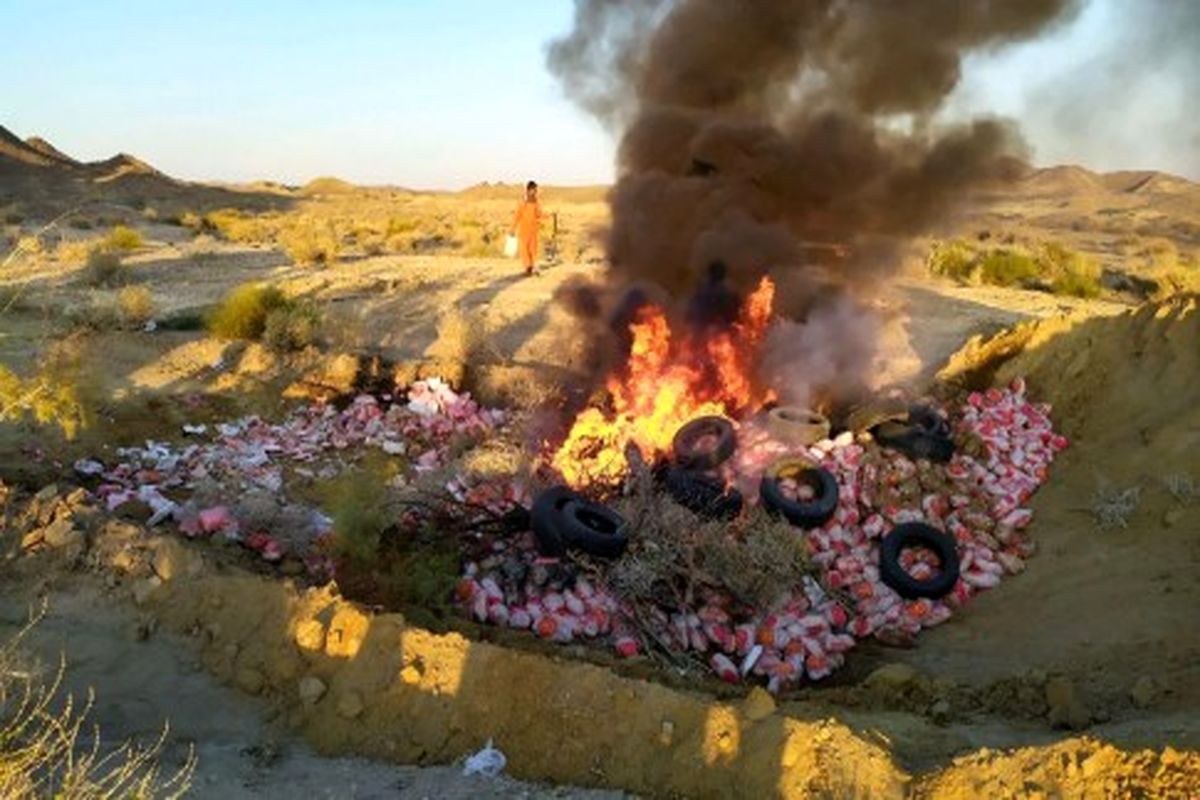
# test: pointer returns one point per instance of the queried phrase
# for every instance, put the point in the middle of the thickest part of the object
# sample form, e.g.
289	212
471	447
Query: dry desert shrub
135	305
291	327
104	268
1050	266
45	753
460	337
123	239
242	313
315	245
54	395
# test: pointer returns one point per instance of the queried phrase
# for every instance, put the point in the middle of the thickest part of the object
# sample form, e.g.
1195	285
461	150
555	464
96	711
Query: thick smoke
790	137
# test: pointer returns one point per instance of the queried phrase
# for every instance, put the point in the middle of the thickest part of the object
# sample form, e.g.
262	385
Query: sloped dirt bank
1111	598
355	682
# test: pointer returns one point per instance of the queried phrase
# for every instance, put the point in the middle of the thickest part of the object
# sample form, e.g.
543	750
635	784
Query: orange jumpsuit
526	224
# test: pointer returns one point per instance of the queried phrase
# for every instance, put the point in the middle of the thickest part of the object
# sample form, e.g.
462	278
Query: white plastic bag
489	762
510	247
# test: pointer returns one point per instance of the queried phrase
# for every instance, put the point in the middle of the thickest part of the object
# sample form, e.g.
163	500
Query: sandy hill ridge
1073	180
50	151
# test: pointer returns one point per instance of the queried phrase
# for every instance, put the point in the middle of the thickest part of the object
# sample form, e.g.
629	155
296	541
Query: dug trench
1094	635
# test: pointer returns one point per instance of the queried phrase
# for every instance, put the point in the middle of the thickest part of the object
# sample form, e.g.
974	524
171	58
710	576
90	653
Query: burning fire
664	384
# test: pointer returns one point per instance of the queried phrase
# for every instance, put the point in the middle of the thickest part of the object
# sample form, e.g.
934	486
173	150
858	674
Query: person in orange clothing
526	227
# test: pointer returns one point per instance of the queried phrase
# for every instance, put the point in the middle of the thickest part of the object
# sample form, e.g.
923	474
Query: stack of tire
563	519
698	449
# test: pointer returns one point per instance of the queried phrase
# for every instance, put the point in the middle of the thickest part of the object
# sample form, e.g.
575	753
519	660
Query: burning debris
665	383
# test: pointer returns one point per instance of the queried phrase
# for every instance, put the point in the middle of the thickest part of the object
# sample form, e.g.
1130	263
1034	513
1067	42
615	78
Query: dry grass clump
53	395
123	239
1182	488
311	245
242	313
135	305
1112	507
43	752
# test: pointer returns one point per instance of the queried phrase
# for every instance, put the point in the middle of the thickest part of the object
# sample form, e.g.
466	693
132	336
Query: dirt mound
1110	598
1064	180
327	185
1131	381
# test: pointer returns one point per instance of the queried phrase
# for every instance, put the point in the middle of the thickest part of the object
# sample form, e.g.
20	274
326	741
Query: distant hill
44	182
50	151
1071	179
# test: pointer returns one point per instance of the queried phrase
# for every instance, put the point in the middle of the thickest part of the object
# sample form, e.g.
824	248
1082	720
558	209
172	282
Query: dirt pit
1094	636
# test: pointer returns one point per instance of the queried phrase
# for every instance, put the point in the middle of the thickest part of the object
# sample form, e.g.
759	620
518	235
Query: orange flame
663	385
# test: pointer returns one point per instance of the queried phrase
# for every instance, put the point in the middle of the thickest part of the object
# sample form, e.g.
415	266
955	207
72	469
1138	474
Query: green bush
291	327
123	238
360	516
1008	268
954	259
242	313
104	269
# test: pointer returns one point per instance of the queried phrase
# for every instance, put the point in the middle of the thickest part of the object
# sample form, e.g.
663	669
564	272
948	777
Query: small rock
1144	692
76	498
1172	517
47	493
312	689
251	681
939	712
410	675
350	705
1066	707
62	535
758	704
894	677
666	734
32	539
169	556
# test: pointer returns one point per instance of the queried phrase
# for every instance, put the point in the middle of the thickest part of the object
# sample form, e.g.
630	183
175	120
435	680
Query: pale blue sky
428	93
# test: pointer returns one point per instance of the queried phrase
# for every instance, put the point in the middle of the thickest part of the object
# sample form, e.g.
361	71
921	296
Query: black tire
592	528
913	534
689	456
545	516
913	441
810	514
703	494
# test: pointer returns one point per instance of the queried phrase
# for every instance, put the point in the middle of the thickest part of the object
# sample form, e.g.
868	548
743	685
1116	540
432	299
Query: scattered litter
979	497
251	454
488	762
88	466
